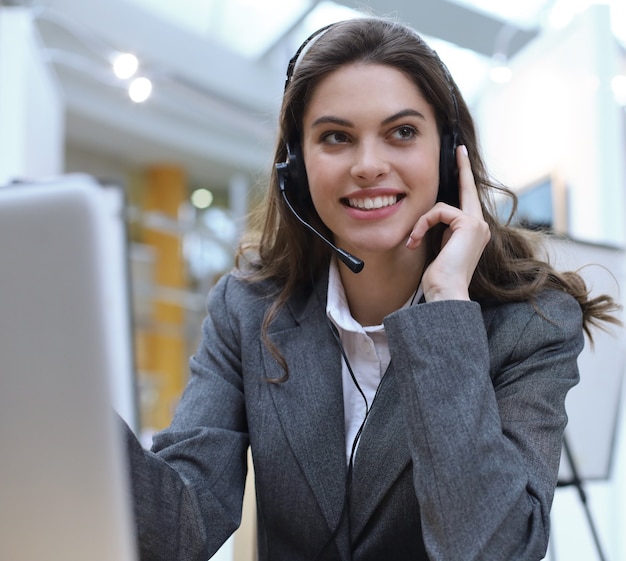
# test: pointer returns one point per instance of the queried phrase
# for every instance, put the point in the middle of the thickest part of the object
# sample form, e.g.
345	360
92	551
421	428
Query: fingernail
464	149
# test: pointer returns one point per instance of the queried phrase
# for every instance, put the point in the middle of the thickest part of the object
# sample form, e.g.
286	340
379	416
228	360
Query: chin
379	244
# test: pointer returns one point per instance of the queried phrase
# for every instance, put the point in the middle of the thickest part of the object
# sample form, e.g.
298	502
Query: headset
292	174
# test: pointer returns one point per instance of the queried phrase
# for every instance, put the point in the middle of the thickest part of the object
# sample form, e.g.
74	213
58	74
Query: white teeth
371	203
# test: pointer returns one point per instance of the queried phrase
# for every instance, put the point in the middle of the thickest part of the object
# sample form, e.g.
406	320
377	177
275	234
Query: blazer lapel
383	453
310	404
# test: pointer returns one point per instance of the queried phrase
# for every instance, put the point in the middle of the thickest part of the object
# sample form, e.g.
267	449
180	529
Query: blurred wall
558	119
31	103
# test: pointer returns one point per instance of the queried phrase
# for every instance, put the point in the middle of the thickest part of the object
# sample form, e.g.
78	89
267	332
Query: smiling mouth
373	203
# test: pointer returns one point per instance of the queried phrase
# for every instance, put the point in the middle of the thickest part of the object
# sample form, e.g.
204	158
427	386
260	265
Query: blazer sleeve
188	490
485	414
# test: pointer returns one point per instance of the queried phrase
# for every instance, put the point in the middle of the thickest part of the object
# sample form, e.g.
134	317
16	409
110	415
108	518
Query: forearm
171	524
486	459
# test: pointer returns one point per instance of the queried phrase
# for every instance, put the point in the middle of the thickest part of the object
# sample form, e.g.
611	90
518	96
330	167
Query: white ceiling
216	95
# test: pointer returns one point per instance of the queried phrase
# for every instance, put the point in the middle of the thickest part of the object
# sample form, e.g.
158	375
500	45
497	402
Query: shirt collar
337	304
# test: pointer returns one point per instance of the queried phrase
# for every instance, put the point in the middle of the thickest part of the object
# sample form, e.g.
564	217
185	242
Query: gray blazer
458	460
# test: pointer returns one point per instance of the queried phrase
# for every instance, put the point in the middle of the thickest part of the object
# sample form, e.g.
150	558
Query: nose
370	162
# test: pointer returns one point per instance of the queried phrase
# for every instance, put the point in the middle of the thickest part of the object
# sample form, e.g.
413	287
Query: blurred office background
174	105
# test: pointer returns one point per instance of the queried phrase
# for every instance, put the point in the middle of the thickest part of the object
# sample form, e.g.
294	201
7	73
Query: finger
439	214
468	192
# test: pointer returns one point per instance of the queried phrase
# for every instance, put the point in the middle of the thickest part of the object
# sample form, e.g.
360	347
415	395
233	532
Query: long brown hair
510	268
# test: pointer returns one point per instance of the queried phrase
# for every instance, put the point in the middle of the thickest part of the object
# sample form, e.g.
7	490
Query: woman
412	410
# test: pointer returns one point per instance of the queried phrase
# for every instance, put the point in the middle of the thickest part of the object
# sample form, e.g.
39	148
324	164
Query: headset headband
294	59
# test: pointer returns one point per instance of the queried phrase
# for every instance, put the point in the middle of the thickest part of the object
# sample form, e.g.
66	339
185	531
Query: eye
404	132
335	137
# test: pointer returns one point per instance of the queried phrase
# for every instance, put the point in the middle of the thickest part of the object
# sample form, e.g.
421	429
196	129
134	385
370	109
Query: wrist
437	294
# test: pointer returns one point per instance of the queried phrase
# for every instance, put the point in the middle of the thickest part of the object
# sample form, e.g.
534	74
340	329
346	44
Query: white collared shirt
367	350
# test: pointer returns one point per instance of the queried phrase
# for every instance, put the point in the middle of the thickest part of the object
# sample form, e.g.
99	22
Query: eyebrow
329	119
404	113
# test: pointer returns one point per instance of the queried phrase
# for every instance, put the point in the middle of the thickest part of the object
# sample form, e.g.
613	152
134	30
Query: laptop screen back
63	490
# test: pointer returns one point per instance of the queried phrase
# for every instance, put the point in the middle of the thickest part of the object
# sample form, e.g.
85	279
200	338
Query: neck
382	287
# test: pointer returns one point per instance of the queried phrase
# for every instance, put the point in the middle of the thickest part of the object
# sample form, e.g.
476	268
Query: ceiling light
140	89
125	65
202	198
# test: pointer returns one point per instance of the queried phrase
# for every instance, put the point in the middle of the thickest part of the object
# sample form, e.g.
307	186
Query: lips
372	203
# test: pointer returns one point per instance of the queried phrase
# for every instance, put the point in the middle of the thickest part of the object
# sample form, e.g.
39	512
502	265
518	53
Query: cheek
433	177
424	176
320	196
320	180
311	167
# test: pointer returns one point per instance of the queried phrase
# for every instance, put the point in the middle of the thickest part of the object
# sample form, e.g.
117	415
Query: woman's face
371	148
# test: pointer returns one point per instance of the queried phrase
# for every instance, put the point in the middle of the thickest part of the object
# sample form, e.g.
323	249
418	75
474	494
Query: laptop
64	494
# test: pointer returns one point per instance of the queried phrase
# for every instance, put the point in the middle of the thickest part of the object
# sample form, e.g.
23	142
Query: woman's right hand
449	275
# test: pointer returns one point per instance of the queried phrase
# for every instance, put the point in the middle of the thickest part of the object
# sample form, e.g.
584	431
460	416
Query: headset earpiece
448	170
293	178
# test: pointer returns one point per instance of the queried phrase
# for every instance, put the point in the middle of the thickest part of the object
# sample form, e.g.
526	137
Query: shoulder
552	322
237	296
553	309
235	286
234	294
235	310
